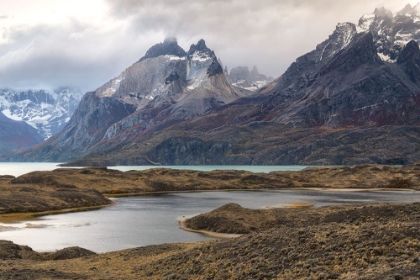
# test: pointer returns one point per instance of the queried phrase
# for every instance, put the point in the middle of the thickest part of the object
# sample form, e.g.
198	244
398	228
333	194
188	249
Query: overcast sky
85	43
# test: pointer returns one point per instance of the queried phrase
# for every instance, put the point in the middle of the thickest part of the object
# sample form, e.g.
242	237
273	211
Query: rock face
166	86
353	99
345	81
168	47
240	76
15	135
46	111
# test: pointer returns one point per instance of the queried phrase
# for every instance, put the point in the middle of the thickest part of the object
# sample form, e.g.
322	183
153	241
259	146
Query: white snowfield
46	111
377	24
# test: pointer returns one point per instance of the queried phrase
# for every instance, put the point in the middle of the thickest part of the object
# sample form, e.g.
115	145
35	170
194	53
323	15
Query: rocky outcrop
168	47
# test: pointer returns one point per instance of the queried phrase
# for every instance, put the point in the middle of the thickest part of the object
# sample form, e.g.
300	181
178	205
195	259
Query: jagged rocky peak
168	47
226	71
409	52
409	10
366	21
200	47
409	60
200	52
239	73
390	32
254	71
342	36
200	56
240	76
165	70
359	52
383	12
345	80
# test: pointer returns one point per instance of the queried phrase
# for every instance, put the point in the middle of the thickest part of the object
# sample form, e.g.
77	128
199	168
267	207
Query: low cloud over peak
86	52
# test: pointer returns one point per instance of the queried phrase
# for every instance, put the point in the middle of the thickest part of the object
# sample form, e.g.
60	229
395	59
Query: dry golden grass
295	205
365	242
67	188
300	243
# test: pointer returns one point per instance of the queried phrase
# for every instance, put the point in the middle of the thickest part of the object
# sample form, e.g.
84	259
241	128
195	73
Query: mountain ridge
47	111
166	86
353	99
15	135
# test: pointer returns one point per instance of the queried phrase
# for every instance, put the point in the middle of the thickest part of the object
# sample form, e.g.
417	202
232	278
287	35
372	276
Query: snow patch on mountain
391	32
197	66
113	86
386	58
174	57
9	115
199	56
46	111
366	21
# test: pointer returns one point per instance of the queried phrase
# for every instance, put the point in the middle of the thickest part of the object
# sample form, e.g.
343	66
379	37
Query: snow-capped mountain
166	86
354	99
241	77
46	111
390	32
364	74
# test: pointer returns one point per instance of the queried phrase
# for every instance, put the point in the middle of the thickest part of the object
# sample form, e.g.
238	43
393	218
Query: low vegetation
340	242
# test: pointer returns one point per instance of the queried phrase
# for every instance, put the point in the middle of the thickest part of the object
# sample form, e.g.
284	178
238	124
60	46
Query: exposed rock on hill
168	47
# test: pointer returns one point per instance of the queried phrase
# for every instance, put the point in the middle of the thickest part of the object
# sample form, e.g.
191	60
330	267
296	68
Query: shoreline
181	225
13	218
181	221
332	241
107	195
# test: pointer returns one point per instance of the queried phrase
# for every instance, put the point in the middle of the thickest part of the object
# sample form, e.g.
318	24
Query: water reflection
147	220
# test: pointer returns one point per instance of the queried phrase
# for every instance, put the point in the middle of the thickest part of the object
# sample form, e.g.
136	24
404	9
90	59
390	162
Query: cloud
77	52
268	33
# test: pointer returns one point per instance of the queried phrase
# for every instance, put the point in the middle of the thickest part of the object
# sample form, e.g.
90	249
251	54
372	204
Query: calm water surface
19	168
147	220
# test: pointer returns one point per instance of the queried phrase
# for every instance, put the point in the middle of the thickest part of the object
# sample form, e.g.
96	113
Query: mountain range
46	111
353	99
